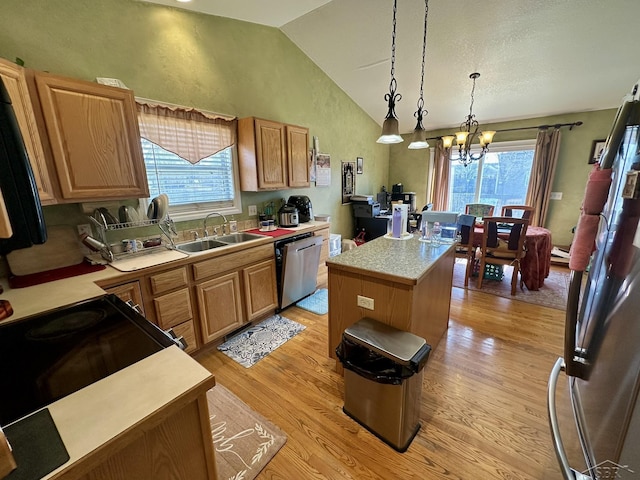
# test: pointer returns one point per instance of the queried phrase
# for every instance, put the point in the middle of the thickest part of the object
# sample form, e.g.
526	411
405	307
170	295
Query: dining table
536	264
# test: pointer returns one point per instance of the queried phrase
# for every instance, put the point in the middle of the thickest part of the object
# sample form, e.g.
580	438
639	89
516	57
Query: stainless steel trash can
383	379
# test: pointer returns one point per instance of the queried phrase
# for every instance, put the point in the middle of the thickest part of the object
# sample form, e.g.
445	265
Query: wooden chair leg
514	278
481	272
468	270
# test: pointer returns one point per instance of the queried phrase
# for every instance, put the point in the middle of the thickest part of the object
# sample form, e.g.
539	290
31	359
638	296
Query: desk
535	265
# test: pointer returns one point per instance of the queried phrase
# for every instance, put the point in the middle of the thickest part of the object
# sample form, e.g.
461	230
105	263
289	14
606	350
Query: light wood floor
483	401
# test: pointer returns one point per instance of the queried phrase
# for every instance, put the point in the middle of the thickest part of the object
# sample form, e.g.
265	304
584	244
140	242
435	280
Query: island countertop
403	261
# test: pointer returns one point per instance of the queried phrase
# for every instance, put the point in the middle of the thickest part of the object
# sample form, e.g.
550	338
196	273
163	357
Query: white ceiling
535	57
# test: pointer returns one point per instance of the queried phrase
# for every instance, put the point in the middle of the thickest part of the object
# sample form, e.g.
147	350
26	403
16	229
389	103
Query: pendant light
418	138
390	133
468	131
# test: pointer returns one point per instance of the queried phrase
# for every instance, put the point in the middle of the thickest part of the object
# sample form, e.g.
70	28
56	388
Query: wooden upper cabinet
298	156
272	155
15	81
94	137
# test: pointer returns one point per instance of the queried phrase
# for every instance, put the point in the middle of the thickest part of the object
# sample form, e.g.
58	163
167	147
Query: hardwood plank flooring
483	410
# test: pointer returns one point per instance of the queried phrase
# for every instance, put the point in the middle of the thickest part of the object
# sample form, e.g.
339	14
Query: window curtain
187	132
440	179
542	173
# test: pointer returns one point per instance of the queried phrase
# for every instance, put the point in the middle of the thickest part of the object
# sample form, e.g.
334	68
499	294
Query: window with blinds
190	155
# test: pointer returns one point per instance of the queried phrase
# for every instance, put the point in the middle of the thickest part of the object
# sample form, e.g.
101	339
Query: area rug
317	303
243	439
552	294
252	345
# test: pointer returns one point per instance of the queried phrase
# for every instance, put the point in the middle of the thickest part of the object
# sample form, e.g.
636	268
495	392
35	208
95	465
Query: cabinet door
95	139
14	79
271	154
261	295
220	305
128	292
298	156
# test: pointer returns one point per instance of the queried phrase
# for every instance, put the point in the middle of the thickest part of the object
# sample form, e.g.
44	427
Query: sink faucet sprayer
224	220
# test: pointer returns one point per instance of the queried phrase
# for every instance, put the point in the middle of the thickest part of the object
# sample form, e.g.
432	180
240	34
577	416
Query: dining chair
503	243
480	210
518	211
465	247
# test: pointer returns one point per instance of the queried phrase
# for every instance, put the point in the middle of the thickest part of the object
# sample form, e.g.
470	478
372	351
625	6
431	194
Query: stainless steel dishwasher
297	261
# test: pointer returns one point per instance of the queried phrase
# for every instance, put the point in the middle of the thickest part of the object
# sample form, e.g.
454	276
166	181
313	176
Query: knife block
7	462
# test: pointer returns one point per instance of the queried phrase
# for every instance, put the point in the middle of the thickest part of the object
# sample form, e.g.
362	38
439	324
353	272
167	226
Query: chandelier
467	134
418	138
390	132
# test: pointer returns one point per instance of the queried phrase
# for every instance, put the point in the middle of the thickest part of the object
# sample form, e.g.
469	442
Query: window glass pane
209	180
499	178
505	178
463	185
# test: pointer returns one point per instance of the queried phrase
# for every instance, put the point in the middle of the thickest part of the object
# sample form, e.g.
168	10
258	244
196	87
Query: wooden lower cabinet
220	306
260	292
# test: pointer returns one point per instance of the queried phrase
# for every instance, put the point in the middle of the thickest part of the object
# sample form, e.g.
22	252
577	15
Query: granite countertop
404	261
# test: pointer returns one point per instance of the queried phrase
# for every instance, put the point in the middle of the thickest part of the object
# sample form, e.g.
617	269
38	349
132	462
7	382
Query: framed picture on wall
359	162
596	150
348	181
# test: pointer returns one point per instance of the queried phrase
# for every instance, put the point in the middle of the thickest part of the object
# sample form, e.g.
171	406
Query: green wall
246	69
213	63
410	167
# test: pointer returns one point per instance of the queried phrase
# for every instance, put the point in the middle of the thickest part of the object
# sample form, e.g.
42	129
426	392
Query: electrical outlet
253	210
84	228
365	302
556	196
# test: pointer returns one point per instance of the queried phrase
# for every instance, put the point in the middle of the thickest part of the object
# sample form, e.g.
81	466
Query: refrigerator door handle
568	473
574	359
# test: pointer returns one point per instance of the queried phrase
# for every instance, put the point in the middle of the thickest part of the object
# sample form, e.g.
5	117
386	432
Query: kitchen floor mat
252	345
317	303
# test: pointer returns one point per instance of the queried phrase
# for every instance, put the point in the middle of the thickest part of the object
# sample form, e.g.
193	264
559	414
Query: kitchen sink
200	245
239	237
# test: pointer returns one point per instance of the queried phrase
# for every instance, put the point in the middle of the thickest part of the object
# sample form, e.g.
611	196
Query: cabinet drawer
169	280
232	261
187	331
173	308
324	233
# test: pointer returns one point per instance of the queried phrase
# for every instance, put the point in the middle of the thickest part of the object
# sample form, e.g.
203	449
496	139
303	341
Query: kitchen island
404	283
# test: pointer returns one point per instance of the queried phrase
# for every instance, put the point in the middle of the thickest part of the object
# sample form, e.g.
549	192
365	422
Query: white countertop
59	293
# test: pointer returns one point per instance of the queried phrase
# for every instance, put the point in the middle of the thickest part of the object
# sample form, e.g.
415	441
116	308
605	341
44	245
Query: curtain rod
538	127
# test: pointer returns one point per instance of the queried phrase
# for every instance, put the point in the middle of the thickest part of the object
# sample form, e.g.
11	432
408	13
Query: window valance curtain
187	132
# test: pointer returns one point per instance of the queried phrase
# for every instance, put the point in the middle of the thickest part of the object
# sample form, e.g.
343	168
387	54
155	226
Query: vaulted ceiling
535	57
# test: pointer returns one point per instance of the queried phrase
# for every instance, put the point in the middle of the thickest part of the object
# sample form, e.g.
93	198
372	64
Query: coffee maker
303	204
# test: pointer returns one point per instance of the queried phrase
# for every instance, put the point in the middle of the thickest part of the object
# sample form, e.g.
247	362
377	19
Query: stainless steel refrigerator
595	421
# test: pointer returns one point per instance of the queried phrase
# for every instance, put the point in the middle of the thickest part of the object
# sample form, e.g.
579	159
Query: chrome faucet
224	220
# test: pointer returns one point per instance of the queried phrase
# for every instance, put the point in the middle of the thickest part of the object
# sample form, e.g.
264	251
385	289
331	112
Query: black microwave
17	183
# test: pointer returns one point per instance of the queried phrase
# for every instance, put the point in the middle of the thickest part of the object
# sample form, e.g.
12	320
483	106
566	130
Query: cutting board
61	249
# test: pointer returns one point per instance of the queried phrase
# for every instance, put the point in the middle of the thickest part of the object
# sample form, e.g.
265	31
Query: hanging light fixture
390	133
418	138
468	131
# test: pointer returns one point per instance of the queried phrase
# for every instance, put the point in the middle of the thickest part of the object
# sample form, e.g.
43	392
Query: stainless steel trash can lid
388	341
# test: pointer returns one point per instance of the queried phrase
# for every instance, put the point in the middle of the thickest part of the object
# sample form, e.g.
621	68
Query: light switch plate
556	196
253	210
